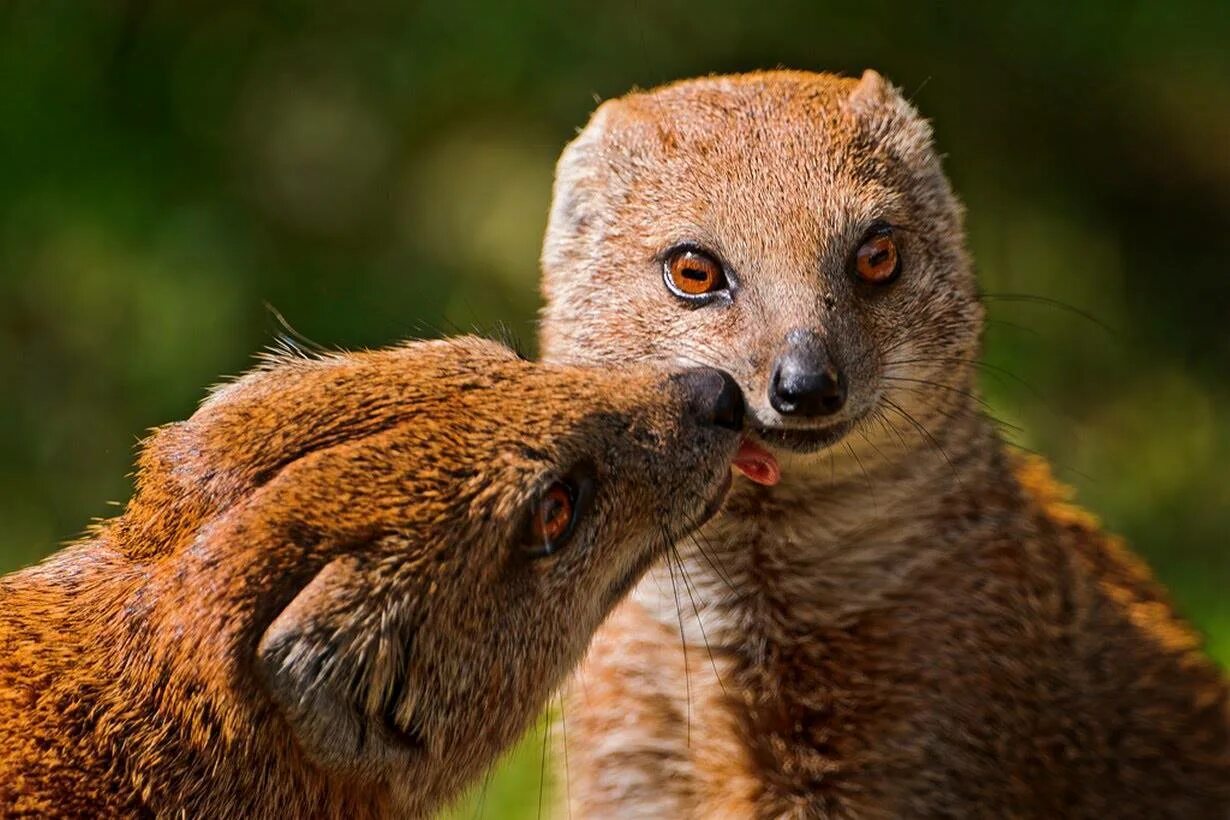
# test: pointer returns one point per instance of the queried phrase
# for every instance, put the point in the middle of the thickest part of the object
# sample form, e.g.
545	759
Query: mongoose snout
806	381
715	397
347	583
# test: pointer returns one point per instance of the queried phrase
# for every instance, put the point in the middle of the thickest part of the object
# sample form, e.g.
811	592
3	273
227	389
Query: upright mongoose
915	622
347	582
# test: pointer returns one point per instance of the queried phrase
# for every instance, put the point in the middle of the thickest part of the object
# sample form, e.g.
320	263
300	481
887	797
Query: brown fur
914	623
318	601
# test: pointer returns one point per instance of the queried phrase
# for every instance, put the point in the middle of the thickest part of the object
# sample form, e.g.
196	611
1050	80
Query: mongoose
347	582
915	622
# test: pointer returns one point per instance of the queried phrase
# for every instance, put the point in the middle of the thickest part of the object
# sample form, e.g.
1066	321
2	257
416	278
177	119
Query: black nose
805	381
713	396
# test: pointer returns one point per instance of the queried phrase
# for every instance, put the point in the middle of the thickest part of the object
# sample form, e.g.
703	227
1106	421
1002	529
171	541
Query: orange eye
552	519
690	273
877	260
553	514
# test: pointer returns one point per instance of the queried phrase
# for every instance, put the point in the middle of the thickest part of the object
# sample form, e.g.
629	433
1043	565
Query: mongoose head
794	229
386	561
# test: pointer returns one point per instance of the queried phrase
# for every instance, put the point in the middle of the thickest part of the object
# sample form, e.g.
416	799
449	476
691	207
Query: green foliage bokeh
383	169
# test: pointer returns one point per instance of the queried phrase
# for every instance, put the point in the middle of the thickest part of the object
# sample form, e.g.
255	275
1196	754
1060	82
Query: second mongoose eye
554	515
692	274
876	261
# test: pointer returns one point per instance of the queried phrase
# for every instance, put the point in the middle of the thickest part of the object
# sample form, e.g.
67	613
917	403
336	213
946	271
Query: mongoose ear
329	666
871	92
880	110
579	180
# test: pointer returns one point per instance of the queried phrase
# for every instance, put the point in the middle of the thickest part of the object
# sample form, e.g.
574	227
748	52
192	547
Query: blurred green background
383	170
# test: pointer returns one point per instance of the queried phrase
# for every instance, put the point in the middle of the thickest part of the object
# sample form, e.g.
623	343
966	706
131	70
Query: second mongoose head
795	229
349	581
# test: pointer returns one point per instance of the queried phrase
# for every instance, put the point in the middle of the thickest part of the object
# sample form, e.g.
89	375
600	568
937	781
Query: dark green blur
168	169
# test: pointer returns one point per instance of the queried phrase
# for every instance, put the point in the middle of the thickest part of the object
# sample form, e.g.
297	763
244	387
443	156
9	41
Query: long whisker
482	798
1031	298
696	538
966	393
994	370
683	643
867	478
687	585
1059	465
720	569
542	769
1014	325
951	416
878	416
923	431
1005	376
863	435
563	722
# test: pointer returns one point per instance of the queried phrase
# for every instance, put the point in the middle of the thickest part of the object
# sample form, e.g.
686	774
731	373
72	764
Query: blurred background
383	170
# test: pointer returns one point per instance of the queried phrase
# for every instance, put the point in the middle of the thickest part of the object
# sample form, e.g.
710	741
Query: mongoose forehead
348	582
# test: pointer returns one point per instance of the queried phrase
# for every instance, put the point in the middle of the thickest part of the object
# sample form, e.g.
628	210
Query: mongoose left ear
871	92
329	669
881	112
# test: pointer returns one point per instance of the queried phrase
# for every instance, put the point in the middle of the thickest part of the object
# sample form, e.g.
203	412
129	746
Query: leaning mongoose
347	582
915	622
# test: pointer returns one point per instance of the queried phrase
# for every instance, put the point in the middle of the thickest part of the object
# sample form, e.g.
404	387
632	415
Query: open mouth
803	441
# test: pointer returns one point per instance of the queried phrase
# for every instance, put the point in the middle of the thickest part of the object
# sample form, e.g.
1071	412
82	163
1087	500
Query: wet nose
805	382
712	396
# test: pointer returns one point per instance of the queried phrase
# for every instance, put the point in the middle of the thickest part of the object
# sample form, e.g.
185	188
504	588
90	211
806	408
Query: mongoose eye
877	260
692	274
554	516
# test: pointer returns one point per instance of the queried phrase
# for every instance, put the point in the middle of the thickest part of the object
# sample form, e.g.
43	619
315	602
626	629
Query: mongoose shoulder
347	582
914	622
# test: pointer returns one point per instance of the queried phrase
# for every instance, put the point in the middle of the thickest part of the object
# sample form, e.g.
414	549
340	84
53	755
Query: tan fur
318	601
913	623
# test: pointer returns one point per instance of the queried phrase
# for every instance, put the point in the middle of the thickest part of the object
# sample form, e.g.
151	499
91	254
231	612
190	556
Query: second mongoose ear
331	661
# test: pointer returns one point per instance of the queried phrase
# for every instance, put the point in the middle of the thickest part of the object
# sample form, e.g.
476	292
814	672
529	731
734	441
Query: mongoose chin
913	622
347	583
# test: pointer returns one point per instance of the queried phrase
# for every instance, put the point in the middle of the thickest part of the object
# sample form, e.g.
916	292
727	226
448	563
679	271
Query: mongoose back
348	582
914	622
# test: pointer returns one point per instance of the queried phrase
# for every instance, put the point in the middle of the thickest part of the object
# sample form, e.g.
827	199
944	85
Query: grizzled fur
914	623
318	601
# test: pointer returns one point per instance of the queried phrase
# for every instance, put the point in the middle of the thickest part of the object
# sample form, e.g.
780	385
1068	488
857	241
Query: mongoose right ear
576	200
330	660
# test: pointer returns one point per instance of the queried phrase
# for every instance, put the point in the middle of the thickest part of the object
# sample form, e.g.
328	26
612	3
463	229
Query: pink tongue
757	463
